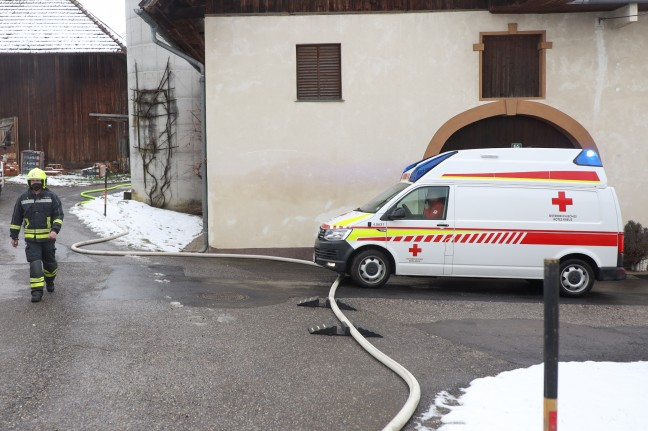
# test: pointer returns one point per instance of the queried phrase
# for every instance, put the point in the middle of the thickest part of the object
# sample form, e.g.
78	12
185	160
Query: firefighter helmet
37	174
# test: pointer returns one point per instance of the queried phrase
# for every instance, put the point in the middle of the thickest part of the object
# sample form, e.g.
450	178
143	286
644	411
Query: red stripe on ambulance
602	239
608	239
535	175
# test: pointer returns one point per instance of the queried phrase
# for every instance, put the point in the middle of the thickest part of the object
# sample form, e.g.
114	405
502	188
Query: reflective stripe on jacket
38	214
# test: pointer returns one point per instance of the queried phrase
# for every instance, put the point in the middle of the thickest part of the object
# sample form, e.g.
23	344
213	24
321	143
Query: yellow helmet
37	174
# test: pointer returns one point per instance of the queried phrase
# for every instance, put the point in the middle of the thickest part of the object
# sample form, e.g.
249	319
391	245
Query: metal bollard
551	293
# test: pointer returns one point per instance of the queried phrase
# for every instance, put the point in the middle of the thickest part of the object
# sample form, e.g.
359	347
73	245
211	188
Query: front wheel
576	278
371	268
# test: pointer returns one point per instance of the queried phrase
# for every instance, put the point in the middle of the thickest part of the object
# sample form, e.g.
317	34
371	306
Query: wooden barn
63	84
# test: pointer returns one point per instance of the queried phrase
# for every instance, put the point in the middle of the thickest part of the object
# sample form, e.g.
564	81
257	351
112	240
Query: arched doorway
504	131
510	121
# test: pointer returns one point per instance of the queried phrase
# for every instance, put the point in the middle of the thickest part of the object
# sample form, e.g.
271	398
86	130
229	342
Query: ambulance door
419	231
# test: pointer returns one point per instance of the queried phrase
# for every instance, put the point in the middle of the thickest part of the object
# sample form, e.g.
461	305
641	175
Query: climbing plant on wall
155	114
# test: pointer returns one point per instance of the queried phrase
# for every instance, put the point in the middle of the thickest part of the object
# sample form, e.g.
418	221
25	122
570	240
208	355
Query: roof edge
114	36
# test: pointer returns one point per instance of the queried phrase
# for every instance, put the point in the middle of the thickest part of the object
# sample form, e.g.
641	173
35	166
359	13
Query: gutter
200	67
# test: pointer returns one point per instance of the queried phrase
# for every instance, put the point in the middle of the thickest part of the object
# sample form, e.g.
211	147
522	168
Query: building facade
164	117
411	85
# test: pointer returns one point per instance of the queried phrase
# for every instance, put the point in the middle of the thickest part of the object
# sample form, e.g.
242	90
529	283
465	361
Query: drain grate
224	296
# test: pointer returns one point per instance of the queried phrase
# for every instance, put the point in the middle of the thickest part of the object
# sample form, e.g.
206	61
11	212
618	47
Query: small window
319	72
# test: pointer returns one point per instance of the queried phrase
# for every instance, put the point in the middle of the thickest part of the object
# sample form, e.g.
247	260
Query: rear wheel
576	278
370	268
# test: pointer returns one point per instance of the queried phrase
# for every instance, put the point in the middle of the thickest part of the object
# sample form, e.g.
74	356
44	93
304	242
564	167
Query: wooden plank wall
323	6
53	96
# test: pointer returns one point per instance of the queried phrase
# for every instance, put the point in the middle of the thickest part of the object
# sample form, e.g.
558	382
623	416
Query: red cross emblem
562	201
415	250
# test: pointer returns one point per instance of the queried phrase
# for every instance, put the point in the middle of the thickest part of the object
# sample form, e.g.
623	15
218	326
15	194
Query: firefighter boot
50	286
36	294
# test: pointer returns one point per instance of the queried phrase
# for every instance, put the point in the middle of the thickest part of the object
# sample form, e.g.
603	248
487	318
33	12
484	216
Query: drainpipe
203	117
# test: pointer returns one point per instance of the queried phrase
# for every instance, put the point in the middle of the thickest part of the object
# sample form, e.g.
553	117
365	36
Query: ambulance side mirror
397	214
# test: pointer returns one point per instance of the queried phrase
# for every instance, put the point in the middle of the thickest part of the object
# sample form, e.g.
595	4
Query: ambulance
493	213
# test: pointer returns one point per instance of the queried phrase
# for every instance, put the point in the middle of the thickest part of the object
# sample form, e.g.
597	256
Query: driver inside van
434	208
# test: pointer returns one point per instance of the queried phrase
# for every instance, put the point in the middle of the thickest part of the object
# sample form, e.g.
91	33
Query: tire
576	278
371	268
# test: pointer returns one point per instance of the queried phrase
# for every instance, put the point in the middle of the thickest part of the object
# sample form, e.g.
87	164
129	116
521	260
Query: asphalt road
167	343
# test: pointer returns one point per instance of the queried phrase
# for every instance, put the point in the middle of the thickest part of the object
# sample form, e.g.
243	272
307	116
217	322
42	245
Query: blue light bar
428	165
407	168
588	157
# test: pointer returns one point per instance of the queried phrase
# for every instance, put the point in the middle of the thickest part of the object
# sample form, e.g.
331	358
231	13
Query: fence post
103	172
551	293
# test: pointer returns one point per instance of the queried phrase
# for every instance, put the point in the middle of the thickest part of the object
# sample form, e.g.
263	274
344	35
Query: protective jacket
40	214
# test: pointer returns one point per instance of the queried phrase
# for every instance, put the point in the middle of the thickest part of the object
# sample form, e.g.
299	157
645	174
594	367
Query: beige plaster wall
278	167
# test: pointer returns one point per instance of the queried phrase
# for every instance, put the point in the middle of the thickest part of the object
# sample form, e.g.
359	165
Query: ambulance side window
425	203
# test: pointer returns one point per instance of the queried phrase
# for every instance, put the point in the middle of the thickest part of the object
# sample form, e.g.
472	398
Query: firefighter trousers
42	263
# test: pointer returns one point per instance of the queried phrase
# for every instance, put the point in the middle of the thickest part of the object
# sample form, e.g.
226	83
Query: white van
494	213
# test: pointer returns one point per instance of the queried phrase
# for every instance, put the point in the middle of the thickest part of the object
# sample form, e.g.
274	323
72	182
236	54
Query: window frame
543	46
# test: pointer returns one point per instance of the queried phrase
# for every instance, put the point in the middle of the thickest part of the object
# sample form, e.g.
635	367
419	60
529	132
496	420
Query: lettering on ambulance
415	250
562	201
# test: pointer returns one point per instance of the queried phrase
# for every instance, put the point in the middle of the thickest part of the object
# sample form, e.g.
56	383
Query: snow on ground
63	180
150	229
592	396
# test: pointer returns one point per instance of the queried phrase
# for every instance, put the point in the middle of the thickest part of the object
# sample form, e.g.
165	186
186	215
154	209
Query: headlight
336	234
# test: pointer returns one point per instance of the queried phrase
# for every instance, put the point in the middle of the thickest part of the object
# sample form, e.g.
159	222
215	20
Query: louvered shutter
319	72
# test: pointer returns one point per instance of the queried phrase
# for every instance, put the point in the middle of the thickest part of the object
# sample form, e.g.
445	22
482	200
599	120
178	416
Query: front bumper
333	255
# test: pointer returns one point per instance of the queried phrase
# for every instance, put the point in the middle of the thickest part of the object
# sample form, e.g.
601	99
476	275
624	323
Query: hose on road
408	409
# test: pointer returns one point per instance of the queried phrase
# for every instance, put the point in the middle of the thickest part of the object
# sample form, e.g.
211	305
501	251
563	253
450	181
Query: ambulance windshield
376	203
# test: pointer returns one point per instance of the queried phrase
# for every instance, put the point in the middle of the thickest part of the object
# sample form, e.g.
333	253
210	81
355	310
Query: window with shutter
319	72
512	64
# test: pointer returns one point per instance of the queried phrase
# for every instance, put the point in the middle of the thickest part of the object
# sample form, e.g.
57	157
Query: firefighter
40	211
